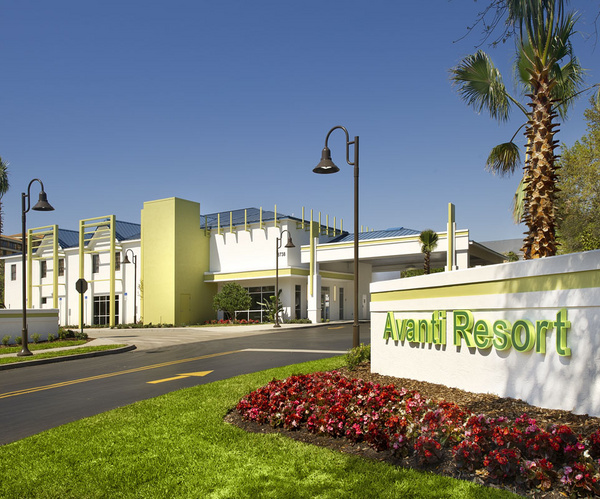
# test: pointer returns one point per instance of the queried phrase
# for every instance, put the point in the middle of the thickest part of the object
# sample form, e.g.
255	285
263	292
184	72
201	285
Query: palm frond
480	85
429	240
518	205
4	184
504	159
569	80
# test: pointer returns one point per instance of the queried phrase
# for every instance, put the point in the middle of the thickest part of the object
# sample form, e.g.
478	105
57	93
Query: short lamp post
289	244
326	165
41	205
125	261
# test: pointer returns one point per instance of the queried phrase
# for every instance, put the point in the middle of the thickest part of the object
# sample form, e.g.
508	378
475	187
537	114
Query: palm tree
551	76
3	186
428	239
3	190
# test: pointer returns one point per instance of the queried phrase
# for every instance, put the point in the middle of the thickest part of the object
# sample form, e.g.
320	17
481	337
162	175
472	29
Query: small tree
231	298
429	240
270	304
578	198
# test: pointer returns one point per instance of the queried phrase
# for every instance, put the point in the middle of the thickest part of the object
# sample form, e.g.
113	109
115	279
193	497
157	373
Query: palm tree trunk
540	171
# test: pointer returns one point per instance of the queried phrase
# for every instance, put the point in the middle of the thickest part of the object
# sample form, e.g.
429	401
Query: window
61	266
13	272
256	312
298	301
118	260
44	301
43	269
102	310
95	264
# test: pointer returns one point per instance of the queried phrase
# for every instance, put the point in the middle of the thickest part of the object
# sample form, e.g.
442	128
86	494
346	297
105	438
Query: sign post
81	286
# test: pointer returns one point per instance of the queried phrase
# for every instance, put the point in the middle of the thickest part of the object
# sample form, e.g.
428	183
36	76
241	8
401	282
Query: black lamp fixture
124	262
326	165
289	244
41	205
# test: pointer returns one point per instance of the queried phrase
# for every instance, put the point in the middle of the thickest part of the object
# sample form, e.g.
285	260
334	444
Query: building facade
179	259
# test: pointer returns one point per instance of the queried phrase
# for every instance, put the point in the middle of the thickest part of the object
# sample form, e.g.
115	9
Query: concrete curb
53	360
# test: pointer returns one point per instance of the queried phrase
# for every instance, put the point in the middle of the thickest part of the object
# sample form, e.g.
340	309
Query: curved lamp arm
348	144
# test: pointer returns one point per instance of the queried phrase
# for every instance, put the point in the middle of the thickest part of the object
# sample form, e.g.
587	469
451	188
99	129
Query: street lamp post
125	261
326	165
41	205
289	244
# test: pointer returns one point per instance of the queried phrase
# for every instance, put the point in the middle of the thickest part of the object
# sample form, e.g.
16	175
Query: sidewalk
152	338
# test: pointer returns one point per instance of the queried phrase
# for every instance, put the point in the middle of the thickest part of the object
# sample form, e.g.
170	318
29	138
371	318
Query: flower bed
408	425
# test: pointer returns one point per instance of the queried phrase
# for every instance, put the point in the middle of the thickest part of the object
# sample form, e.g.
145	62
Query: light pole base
24	352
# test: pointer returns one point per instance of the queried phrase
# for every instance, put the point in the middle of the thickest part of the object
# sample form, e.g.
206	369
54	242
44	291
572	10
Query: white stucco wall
531	290
254	249
68	297
42	322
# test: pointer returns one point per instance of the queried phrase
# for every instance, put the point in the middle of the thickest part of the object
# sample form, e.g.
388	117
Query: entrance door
184	308
325	304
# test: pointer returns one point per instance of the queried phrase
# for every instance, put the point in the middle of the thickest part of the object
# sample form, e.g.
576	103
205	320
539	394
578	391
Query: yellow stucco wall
175	255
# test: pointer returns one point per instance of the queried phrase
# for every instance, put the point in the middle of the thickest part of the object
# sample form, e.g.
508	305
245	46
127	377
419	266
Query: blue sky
113	103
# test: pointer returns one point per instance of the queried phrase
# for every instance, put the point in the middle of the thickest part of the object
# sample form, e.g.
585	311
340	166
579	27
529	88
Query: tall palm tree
3	190
3	186
551	78
428	239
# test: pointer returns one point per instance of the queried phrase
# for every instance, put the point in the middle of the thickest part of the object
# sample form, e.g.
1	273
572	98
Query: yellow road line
109	375
179	376
166	379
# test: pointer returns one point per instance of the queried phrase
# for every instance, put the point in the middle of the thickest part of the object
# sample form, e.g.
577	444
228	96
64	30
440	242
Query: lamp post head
126	257
290	244
326	165
43	204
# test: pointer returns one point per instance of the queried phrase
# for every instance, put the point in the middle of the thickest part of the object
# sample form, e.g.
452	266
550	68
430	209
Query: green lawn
47	354
42	346
177	445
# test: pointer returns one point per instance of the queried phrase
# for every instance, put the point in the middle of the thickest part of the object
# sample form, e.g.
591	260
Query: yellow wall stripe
575	280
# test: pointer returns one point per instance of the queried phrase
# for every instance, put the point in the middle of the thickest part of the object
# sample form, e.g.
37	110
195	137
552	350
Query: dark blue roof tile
377	234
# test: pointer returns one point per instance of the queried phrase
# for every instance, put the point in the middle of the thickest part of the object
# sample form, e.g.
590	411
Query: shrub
468	455
5	340
64	333
428	450
51	337
69	334
19	340
357	355
231	298
503	464
36	338
539	473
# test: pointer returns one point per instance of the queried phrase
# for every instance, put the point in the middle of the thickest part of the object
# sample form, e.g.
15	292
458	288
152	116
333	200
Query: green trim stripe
31	314
337	275
253	274
573	280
